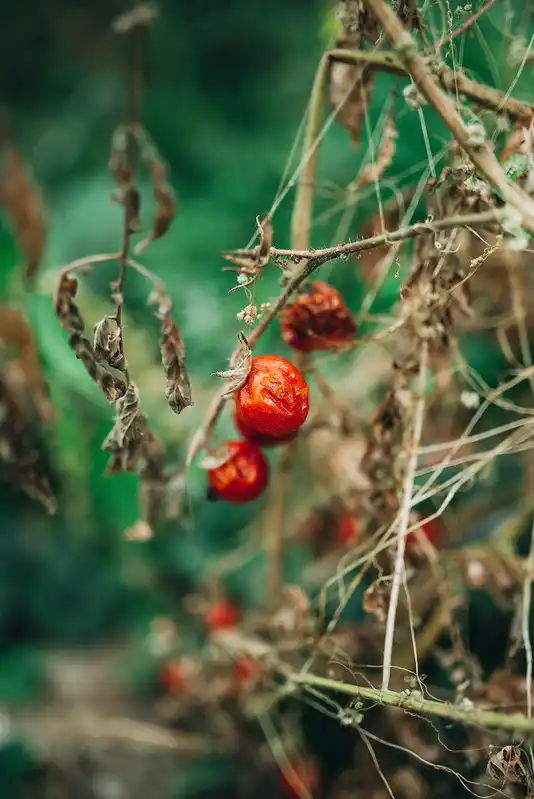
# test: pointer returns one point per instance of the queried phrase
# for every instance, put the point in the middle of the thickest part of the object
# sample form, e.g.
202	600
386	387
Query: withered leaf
22	200
350	92
165	205
240	366
125	441
177	385
70	318
374	171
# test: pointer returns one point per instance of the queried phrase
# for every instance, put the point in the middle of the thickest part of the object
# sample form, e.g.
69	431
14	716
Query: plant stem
415	703
480	154
404	518
320	257
303	207
450	79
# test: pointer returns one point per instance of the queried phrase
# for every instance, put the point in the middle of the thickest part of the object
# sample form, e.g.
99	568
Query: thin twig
320	257
469	22
404	517
451	80
480	154
415	703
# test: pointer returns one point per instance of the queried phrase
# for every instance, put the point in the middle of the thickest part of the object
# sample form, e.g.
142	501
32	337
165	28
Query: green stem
415	703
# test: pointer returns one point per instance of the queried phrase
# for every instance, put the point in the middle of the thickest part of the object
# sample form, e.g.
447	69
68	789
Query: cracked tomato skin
317	320
274	401
243	477
259	439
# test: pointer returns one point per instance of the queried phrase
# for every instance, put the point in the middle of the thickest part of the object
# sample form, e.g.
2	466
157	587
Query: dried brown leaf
16	334
350	91
386	152
178	385
69	315
22	200
240	366
126	439
165	205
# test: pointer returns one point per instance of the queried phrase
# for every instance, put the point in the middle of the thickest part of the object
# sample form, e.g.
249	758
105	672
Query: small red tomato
248	670
348	529
172	677
222	615
431	531
259	439
243	476
274	400
297	776
317	320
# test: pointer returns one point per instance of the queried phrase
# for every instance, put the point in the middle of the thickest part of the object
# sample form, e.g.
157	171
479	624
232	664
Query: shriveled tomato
348	529
222	614
259	439
243	476
172	677
317	320
274	401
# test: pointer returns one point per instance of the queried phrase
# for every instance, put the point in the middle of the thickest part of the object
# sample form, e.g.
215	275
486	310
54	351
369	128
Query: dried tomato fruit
348	529
222	614
259	439
274	401
172	677
243	476
317	320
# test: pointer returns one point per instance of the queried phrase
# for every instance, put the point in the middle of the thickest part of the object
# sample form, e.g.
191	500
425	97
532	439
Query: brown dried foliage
22	200
98	369
17	335
351	85
177	385
20	463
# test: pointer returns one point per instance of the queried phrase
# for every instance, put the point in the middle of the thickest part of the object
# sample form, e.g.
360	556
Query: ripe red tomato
259	439
222	615
348	529
243	477
304	773
431	530
172	677
317	320
274	400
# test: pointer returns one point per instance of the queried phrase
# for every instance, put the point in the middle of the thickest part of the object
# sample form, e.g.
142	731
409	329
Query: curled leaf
240	366
165	205
106	344
125	441
71	320
177	385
